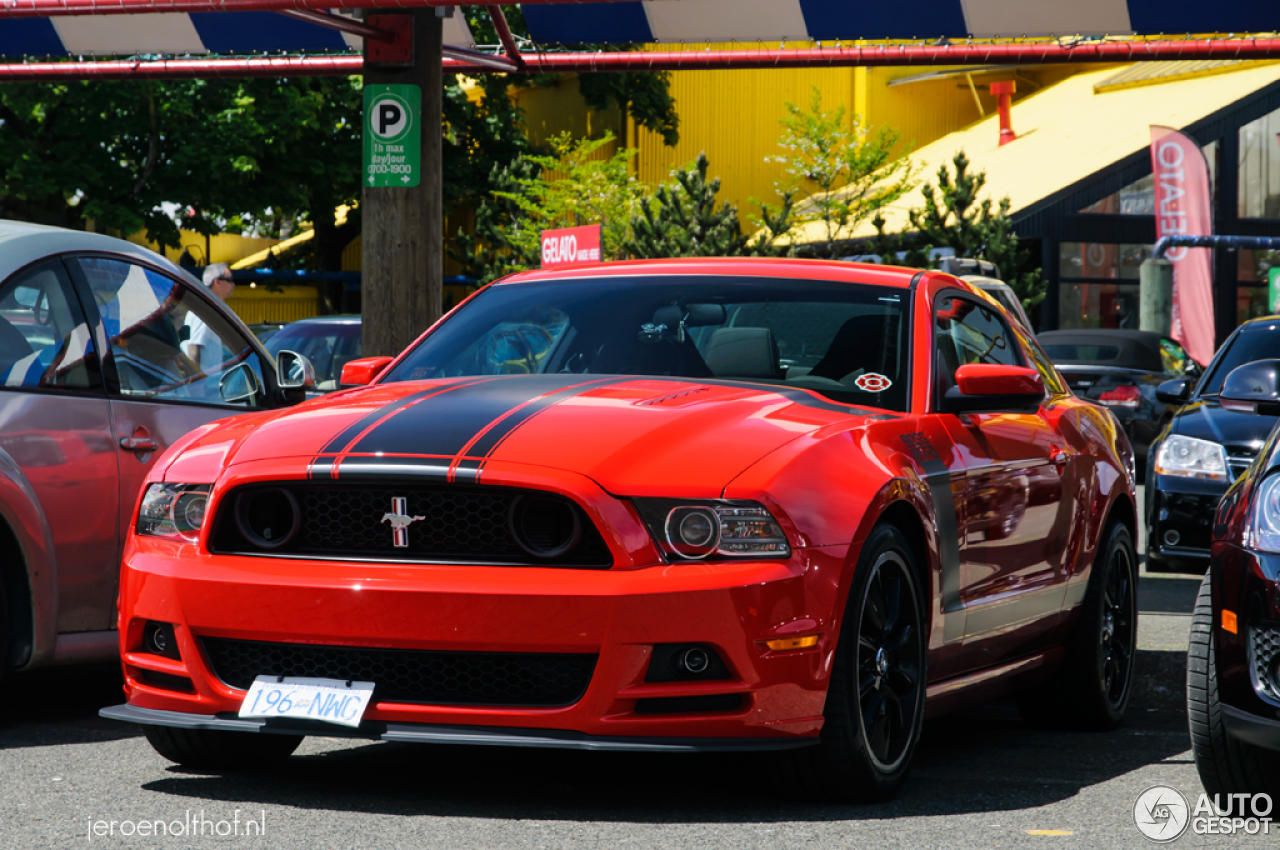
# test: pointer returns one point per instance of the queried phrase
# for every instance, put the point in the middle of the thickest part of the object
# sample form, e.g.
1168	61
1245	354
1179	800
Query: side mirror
1253	388
358	373
992	387
1176	391
238	384
294	372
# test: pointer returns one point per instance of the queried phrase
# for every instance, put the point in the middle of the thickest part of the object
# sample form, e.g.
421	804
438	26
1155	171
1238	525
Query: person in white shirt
202	344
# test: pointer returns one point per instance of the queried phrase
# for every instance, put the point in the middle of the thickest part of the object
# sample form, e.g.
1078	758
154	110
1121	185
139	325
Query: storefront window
1251	302
1139	197
1260	168
1101	260
1098	305
1253	266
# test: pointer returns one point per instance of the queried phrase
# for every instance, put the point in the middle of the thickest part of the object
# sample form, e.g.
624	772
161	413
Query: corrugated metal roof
1068	132
1158	73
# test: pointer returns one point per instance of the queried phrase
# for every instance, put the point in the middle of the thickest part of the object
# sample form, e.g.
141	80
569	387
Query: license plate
327	700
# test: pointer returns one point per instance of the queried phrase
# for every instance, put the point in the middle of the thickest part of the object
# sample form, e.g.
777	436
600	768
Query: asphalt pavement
981	779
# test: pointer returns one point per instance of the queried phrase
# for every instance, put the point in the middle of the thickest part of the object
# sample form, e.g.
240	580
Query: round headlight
268	518
188	513
693	532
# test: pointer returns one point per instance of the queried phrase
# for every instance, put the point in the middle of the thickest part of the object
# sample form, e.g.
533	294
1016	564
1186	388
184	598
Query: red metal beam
341	24
504	35
183	69
55	8
961	54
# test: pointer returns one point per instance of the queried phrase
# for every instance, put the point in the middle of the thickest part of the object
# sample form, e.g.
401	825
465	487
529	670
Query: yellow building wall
284	304
223	248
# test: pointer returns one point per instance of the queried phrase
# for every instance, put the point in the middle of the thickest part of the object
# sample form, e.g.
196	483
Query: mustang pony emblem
400	521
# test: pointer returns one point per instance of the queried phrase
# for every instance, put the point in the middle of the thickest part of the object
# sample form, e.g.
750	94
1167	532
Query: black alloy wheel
875	699
887	662
1091	689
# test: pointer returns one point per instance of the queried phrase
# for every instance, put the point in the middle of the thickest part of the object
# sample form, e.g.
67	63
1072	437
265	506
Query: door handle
138	444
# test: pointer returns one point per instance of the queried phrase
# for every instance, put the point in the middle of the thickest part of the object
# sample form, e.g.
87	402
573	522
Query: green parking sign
392	135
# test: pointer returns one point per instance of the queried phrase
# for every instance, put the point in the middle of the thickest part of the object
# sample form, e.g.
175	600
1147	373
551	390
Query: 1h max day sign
392	135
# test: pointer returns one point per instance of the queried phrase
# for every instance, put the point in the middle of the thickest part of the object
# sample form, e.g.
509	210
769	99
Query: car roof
830	270
1262	323
22	243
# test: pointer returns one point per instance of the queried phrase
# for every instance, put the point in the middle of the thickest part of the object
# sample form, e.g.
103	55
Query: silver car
94	386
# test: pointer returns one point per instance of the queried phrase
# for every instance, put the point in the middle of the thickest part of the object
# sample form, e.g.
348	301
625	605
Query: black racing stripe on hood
344	437
444	424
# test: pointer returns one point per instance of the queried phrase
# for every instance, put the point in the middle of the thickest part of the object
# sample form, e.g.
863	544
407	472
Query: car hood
633	436
1205	419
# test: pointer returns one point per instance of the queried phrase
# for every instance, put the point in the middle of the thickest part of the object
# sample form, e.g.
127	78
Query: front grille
1239	461
459	524
1264	653
413	676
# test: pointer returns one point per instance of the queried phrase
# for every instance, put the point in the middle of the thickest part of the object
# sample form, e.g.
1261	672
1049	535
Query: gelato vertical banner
1184	206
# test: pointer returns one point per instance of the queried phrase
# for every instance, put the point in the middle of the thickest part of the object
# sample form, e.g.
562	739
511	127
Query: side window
166	342
45	342
966	332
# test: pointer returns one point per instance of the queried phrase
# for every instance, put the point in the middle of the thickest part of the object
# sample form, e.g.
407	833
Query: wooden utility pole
402	227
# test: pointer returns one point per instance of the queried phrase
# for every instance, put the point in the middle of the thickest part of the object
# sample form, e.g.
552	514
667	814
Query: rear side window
966	332
45	342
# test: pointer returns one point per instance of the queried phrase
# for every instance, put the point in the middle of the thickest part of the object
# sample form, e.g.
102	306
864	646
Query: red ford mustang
681	505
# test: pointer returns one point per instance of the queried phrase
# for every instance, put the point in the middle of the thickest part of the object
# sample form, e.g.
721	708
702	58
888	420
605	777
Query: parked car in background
1205	447
1233	662
1120	370
329	342
703	504
265	330
94	387
1002	294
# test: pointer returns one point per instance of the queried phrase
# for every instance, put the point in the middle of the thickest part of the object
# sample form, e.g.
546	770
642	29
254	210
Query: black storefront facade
1093	235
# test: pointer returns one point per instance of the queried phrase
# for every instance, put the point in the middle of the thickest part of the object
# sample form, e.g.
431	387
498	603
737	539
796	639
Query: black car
1120	369
327	341
1204	449
1233	663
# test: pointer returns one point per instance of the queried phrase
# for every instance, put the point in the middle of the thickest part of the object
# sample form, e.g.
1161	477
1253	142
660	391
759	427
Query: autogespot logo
1161	813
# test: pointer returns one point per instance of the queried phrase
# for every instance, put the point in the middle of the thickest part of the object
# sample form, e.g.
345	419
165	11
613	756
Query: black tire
1226	766
207	749
1091	690
875	700
6	634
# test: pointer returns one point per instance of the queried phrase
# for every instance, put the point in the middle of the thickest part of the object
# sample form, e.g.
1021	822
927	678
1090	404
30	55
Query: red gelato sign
570	246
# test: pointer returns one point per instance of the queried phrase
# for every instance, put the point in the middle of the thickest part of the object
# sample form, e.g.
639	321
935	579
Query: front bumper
618	615
1180	519
1247	584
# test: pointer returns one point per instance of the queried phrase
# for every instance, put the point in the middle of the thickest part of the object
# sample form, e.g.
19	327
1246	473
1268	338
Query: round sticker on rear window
873	382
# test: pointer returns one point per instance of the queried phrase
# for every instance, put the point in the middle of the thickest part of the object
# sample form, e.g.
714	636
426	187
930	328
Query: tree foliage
953	217
839	171
682	219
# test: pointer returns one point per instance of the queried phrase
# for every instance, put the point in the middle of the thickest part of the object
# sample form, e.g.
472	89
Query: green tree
953	217
839	171
684	220
574	187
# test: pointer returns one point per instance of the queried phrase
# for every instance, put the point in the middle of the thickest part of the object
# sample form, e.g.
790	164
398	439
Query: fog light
694	661
1171	538
158	639
792	643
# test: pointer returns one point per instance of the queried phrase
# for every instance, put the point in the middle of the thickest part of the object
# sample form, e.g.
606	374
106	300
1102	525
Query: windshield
1246	347
846	341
